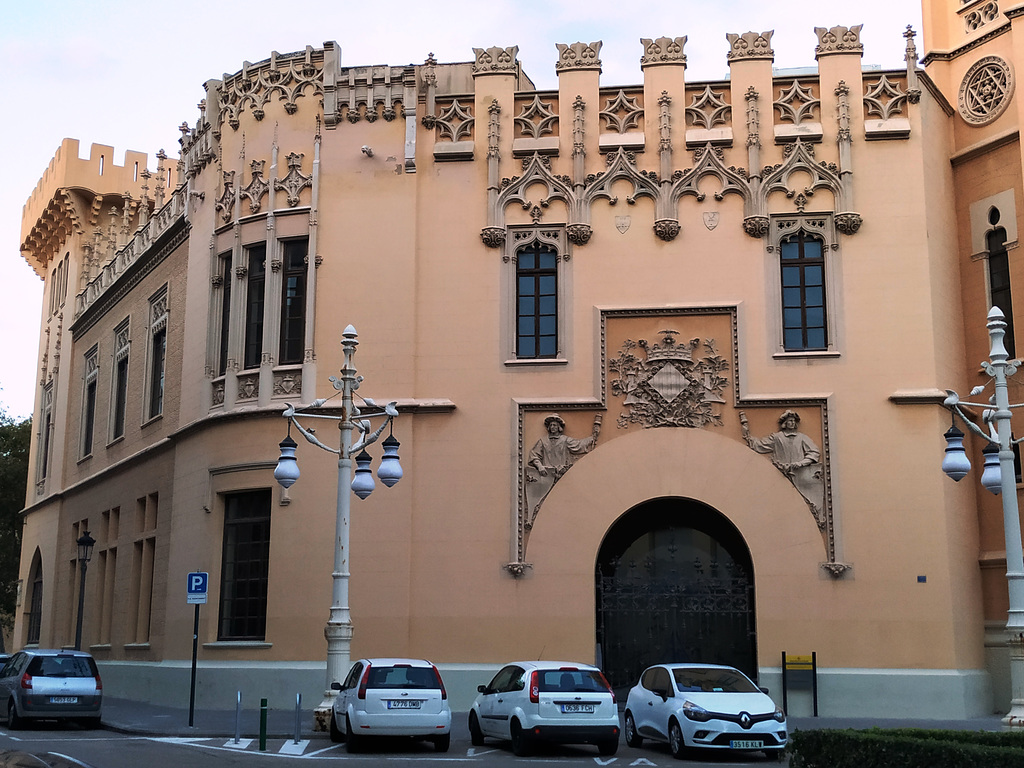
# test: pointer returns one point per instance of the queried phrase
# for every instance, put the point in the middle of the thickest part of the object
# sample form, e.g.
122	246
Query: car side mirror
764	690
483	689
335	686
663	693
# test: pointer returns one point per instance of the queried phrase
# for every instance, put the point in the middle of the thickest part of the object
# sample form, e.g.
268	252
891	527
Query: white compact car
391	697
703	705
551	701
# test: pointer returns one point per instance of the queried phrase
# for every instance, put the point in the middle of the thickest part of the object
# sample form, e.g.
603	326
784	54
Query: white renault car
703	705
391	697
552	701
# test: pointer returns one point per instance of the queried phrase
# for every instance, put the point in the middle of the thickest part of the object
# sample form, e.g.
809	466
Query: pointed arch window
999	282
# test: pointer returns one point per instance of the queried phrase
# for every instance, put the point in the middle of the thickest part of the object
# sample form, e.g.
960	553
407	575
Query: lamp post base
323	713
1014	719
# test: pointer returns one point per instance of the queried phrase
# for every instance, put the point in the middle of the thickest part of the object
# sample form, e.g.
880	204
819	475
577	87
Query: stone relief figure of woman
796	456
550	458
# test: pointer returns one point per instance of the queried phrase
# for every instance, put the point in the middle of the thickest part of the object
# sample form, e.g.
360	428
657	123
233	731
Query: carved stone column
750	81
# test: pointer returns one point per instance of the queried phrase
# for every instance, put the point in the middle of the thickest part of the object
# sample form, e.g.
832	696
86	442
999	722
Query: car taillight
440	682
363	682
535	687
99	683
26	681
606	685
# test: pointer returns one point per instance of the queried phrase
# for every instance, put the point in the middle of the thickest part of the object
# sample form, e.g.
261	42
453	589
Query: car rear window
403	677
720	680
571	680
62	666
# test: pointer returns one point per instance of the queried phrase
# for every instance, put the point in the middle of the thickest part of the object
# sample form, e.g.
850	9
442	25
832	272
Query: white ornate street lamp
339	625
999	476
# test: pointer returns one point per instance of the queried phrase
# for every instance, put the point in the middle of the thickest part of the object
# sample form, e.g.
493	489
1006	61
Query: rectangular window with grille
804	320
119	401
89	401
257	280
537	302
225	312
245	566
293	301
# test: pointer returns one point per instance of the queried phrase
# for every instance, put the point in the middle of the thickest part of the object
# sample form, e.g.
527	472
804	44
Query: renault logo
745	721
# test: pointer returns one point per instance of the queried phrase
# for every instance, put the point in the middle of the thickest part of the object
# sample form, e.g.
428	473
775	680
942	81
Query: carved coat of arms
666	385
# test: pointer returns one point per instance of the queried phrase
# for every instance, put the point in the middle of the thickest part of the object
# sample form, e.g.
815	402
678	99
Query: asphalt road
52	746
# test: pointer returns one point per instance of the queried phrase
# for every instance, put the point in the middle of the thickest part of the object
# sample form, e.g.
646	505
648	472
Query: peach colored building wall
667	205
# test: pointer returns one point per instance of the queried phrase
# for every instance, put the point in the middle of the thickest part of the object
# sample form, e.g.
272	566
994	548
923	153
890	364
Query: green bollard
263	725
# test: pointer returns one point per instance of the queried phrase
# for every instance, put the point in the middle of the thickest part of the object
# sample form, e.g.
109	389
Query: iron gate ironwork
674	594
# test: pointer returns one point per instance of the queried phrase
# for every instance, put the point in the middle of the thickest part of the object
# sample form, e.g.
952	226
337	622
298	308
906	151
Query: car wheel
336	735
633	739
608	747
441	743
776	754
14	721
353	743
675	740
521	745
476	736
90	722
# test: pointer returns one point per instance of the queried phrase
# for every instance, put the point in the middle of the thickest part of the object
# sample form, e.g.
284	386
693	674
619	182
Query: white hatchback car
552	701
703	705
391	697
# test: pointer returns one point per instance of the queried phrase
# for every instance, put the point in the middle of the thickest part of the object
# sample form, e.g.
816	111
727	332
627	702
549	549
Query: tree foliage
15	437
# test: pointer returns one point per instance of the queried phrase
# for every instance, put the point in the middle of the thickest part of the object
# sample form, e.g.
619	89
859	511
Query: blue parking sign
196	589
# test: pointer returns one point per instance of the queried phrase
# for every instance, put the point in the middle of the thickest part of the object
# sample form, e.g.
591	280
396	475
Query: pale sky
126	74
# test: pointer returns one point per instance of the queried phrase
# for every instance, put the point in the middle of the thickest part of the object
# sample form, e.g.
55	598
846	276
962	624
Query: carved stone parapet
495	61
664	50
838	40
848	223
756	226
750	45
578	56
666	229
493	237
248	386
287	382
218	393
579	234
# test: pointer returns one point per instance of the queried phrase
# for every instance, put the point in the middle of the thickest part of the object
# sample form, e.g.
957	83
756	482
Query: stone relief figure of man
550	458
796	456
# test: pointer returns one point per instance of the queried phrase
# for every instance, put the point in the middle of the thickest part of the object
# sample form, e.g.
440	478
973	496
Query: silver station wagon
49	684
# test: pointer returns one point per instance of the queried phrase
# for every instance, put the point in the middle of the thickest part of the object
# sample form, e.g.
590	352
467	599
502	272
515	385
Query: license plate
63	699
578	709
404	703
748	744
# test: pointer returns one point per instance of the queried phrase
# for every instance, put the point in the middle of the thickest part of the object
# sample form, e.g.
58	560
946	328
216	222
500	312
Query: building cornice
171	239
968	47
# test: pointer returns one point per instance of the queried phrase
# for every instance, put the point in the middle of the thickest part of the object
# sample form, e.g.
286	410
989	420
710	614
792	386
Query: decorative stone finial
579	56
838	40
664	50
750	45
495	61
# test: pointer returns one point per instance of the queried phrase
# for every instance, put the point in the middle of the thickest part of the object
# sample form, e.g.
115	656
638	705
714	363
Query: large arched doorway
675	582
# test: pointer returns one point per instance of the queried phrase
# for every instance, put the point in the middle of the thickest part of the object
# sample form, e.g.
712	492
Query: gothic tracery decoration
294	182
985	91
256	188
666	385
